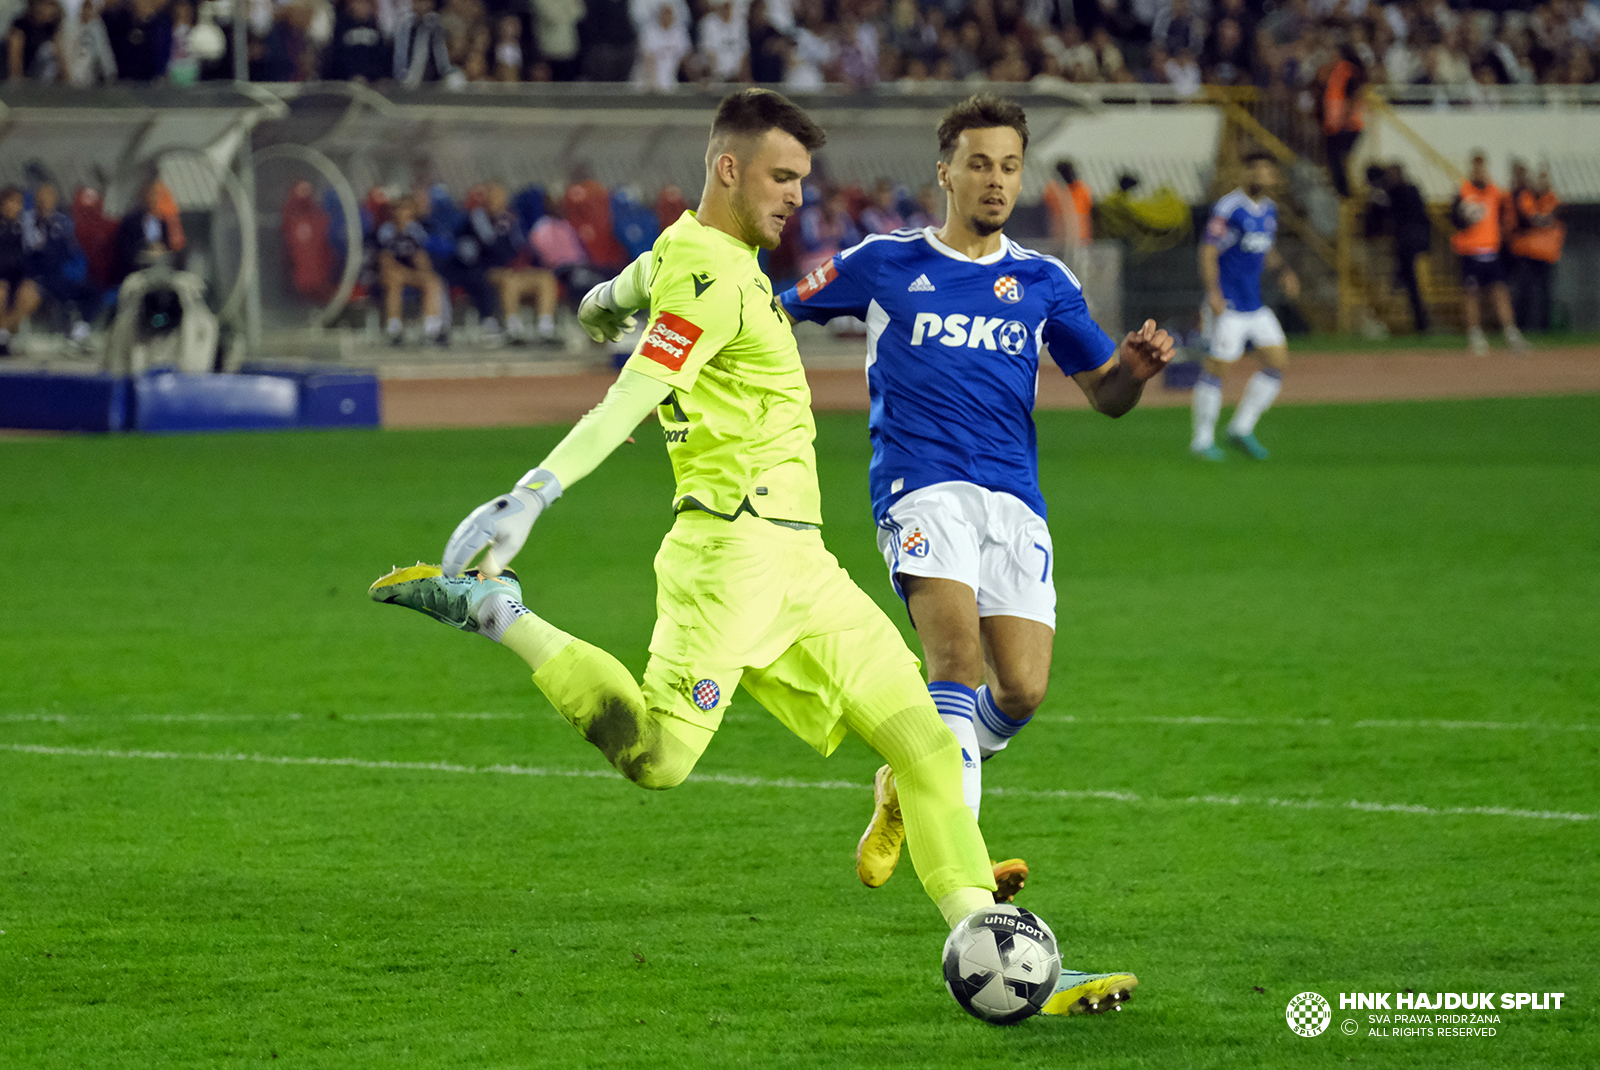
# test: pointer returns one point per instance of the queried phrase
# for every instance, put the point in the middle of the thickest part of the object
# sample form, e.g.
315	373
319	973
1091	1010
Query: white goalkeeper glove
606	311
497	529
600	320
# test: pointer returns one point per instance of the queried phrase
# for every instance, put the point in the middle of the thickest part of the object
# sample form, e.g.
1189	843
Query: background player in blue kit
1238	245
957	320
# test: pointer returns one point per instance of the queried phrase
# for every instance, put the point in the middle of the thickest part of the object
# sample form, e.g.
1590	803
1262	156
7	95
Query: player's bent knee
1018	699
664	763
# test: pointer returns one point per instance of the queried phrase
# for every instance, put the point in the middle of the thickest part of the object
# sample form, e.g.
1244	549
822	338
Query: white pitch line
238	718
1326	722
791	783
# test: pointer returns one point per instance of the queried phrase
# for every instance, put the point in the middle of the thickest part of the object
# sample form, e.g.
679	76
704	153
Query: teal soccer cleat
452	600
1250	445
1210	453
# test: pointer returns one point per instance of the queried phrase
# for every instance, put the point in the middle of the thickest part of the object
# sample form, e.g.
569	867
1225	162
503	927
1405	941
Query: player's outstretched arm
1211	276
498	528
1115	386
606	311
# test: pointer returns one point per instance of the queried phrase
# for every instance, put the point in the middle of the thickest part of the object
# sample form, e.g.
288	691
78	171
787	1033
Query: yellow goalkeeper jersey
738	418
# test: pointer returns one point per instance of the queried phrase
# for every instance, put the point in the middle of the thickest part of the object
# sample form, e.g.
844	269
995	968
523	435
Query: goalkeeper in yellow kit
746	591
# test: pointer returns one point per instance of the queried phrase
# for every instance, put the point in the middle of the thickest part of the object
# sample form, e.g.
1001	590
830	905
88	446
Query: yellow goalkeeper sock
534	639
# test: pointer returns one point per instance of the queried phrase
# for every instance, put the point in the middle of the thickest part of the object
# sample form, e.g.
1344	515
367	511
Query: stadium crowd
493	249
1285	45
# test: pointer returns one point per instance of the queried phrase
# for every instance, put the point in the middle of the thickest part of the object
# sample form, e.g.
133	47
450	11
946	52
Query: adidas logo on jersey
921	286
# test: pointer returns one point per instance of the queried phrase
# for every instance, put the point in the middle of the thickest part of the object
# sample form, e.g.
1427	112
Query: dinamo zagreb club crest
915	544
1008	289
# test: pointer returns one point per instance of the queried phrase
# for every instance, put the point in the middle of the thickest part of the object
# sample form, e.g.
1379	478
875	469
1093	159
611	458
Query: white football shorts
1229	333
989	540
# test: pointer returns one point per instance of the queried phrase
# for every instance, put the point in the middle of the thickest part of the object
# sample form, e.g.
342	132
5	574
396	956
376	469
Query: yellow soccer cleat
1090	993
1009	877
879	850
452	600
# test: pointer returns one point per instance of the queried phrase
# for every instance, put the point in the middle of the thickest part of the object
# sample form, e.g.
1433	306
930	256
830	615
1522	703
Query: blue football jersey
953	348
1243	231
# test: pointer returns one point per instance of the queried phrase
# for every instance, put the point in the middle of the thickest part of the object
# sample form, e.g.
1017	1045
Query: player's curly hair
752	112
981	111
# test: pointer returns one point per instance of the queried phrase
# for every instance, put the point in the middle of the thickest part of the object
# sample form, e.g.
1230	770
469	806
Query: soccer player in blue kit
958	318
1238	244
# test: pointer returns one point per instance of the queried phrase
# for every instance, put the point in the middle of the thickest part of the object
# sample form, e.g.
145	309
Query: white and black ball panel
1001	964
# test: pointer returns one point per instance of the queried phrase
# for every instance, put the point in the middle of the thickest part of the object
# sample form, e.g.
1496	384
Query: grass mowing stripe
1225	722
737	780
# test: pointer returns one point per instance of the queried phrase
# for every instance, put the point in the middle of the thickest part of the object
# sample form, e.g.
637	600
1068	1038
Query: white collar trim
992	258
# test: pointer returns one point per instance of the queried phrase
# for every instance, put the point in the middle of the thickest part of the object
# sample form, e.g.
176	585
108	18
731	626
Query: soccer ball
1001	964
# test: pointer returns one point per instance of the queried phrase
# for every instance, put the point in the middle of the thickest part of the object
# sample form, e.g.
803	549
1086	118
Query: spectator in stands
140	35
1179	29
1227	56
96	233
882	216
421	49
148	234
857	51
1070	206
358	51
1536	245
508	66
19	296
558	248
503	251
725	43
1183	73
608	38
57	263
556	25
183	66
1404	214
87	58
663	46
825	227
1108	57
1343	114
403	262
33	45
1479	213
768	46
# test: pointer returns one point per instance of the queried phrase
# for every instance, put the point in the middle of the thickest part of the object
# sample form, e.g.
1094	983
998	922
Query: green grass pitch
1245	650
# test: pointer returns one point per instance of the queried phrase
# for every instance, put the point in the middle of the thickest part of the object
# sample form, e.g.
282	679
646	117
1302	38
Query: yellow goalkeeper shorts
749	601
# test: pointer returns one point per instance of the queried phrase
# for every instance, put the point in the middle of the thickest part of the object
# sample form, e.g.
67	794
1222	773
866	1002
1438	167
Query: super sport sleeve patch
817	279
670	340
1216	230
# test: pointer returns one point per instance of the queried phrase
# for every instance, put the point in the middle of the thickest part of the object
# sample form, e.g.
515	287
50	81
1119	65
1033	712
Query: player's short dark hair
1260	156
10	191
752	112
982	111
